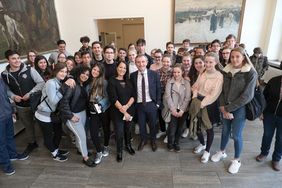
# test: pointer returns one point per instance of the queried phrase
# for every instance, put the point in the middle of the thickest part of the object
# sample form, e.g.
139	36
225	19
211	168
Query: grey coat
237	90
178	98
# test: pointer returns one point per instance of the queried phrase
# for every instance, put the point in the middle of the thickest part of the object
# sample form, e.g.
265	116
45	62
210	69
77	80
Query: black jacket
69	102
272	95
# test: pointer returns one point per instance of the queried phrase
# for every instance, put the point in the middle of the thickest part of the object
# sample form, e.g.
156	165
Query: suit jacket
154	86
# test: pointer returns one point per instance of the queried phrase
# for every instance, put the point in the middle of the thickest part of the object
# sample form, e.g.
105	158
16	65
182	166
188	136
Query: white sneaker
165	140
160	134
234	167
205	157
105	151
185	133
199	148
98	157
218	156
137	131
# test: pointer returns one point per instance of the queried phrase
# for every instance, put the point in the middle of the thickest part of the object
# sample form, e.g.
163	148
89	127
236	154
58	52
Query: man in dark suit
147	88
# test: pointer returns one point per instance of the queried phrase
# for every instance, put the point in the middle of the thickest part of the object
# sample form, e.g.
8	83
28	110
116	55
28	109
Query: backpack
256	106
35	100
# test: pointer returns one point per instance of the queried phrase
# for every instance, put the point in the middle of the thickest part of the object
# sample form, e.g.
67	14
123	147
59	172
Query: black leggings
96	120
52	134
210	136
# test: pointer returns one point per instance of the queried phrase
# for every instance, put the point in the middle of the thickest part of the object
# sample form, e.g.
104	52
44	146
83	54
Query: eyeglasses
158	56
225	53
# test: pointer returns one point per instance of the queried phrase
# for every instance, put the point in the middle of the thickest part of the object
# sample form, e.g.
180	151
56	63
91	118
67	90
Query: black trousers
122	131
52	134
175	129
97	120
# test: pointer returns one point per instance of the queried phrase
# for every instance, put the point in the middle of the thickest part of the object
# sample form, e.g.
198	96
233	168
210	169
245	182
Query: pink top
208	85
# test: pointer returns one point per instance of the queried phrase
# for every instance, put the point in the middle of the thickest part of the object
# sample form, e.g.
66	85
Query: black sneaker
9	170
89	162
63	152
21	157
170	147
30	147
60	158
177	148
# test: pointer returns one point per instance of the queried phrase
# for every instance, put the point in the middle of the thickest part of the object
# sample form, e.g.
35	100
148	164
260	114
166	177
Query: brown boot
260	158
275	165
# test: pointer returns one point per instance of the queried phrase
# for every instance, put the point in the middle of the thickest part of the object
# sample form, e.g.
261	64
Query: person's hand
174	113
70	82
261	117
75	119
228	115
125	107
17	98
127	116
180	113
25	97
122	110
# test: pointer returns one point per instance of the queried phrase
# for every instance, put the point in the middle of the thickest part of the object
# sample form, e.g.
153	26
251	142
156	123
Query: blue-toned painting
202	21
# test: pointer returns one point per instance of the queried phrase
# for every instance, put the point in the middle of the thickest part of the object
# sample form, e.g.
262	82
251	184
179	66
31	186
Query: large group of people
165	94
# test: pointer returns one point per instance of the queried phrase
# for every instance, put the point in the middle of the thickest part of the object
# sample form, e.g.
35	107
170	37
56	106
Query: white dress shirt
139	87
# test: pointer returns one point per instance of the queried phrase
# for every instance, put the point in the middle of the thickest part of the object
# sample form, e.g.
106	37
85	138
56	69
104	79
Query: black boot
119	149
127	138
129	149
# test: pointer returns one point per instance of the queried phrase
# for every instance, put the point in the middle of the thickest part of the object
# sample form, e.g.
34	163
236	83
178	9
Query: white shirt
132	68
139	87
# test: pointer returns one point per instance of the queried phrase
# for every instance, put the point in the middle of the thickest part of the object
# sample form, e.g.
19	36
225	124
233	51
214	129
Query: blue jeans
270	123
7	143
234	127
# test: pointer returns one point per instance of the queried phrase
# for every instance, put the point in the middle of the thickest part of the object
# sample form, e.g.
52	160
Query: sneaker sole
10	173
219	159
65	154
60	160
22	159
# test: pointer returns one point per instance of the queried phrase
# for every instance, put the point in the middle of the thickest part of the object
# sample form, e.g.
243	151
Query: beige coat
178	98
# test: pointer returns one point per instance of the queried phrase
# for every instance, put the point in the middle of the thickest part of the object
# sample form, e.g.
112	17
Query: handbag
55	116
166	113
256	106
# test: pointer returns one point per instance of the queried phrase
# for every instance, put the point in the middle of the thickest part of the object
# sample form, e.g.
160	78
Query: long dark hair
97	84
126	75
193	73
45	74
81	70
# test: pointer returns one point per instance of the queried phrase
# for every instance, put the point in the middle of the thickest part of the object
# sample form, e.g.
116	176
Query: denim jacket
103	101
6	108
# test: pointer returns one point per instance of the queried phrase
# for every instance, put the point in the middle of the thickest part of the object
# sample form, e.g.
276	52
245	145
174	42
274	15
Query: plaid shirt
164	77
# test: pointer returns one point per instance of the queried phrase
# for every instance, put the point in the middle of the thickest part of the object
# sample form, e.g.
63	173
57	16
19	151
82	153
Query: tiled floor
146	168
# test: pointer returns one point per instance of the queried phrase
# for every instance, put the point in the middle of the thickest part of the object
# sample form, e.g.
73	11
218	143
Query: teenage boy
53	58
22	81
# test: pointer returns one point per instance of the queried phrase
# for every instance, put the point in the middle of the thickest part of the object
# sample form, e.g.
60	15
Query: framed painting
202	21
26	25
